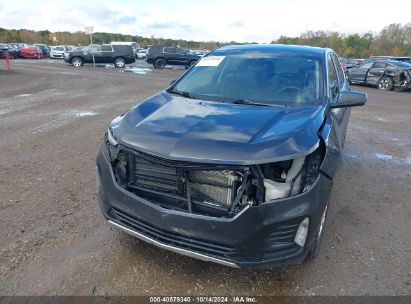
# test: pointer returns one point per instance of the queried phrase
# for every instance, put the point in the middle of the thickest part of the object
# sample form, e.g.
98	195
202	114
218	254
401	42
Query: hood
184	129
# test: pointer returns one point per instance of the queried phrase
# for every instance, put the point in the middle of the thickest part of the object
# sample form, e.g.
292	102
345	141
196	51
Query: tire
76	61
385	84
119	62
160	64
316	245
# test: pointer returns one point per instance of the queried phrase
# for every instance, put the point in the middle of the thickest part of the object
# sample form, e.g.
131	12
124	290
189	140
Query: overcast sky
242	21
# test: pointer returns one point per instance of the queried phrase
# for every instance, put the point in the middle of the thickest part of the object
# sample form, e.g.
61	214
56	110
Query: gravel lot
54	240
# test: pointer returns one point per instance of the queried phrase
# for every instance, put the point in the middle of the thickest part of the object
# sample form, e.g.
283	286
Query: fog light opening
302	232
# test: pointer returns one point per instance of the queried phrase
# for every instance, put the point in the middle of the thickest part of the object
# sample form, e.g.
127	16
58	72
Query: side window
171	50
340	71
95	48
379	65
106	48
332	78
180	51
366	65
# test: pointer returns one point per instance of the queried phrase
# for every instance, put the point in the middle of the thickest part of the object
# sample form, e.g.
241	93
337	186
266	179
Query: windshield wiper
182	93
255	103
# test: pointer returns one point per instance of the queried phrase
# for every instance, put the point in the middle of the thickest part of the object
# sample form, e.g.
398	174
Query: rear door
98	55
170	55
106	54
181	57
375	73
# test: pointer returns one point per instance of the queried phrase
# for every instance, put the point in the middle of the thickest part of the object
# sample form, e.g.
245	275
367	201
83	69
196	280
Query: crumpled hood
178	128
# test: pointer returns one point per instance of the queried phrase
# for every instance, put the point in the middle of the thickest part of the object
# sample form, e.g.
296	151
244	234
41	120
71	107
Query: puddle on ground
382	119
24	95
357	155
80	114
136	70
399	161
383	157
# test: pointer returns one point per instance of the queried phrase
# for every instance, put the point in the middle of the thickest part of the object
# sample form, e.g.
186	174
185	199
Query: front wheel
77	61
385	84
119	62
160	64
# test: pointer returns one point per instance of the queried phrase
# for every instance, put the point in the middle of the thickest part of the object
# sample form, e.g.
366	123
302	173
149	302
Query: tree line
394	39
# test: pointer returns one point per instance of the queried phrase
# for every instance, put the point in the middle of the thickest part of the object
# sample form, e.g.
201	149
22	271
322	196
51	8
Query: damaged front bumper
257	237
402	80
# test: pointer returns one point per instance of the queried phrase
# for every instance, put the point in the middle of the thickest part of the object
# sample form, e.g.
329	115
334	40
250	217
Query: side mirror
349	99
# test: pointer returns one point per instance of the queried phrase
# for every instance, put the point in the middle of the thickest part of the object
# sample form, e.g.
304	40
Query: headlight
111	138
288	178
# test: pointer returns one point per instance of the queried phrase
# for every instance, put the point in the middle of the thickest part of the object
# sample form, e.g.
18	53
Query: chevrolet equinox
234	162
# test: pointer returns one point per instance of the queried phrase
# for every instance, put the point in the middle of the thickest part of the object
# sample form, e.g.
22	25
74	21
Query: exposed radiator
212	188
157	177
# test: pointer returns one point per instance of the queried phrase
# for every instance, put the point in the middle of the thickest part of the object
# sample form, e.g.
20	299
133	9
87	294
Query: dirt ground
54	240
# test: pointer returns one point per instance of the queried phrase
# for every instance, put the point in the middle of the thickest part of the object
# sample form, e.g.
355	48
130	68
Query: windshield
263	77
59	48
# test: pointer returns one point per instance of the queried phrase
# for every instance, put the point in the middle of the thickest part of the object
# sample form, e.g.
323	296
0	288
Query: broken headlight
111	138
288	178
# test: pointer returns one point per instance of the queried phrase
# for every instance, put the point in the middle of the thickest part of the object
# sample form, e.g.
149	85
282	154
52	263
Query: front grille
157	177
188	186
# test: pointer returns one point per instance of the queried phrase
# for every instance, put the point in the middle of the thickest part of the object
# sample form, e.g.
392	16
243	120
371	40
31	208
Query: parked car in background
160	56
141	54
384	74
13	51
3	50
234	163
348	63
44	48
32	52
119	55
57	52
70	47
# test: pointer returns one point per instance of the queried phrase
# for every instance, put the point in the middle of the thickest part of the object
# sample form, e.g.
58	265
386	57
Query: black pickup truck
119	55
160	56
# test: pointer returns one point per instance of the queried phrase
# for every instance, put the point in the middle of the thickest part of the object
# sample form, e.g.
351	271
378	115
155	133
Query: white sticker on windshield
211	61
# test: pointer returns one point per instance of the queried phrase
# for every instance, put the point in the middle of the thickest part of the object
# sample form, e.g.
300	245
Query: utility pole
89	30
